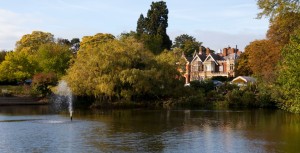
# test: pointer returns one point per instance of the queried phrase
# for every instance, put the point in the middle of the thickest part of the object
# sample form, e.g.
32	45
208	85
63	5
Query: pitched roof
214	57
247	79
202	57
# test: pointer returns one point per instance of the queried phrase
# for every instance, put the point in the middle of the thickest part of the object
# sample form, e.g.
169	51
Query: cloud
12	28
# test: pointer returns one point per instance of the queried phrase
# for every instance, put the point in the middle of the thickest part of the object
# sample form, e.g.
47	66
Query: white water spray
64	92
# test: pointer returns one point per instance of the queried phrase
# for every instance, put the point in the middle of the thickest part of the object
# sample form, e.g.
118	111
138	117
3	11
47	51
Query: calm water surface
37	129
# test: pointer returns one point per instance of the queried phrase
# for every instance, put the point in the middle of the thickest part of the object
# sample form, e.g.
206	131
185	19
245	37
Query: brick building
206	64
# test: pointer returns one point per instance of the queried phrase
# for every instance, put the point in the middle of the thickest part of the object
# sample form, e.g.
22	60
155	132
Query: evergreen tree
140	29
187	43
155	25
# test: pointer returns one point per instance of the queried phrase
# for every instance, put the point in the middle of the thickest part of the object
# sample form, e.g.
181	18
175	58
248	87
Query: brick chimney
207	51
200	50
225	52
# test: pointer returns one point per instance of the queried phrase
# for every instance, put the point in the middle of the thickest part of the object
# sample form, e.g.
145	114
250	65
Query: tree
282	27
242	67
62	41
75	44
155	25
31	42
54	58
187	43
263	59
288	82
273	8
120	69
2	55
92	41
18	66
141	25
35	53
42	82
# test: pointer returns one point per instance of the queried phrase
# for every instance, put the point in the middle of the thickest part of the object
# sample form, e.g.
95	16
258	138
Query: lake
40	129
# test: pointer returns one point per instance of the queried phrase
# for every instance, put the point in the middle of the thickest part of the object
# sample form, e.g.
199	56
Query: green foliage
154	27
93	41
141	25
17	66
75	44
2	55
258	96
264	94
240	98
53	57
31	42
194	101
122	69
36	52
242	67
152	42
220	78
288	77
282	27
206	86
223	89
42	82
9	90
273	8
187	43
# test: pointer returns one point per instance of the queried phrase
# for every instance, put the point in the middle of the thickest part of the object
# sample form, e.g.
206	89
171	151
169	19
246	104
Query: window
231	66
221	68
199	66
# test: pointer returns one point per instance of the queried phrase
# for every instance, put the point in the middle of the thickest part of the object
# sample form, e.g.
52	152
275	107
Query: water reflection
149	131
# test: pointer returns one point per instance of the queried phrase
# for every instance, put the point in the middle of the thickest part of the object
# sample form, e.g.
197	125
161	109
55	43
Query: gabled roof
195	53
197	56
213	57
202	57
187	59
247	79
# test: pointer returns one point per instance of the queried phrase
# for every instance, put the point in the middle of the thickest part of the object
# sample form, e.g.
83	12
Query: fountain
64	93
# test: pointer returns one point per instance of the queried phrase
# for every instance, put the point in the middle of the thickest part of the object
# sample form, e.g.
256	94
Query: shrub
206	86
41	83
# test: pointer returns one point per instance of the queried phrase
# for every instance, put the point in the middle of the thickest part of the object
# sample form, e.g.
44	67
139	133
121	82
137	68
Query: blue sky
215	23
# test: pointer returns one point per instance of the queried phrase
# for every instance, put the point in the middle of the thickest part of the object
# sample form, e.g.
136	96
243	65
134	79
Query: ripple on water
54	121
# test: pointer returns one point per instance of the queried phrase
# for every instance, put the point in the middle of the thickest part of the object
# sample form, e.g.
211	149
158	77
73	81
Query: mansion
206	64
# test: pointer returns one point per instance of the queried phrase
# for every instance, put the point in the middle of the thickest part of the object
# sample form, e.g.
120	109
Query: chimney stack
207	51
224	51
200	50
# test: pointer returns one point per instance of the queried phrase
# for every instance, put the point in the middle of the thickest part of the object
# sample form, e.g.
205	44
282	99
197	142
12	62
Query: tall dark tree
140	29
187	43
2	55
75	44
62	41
155	25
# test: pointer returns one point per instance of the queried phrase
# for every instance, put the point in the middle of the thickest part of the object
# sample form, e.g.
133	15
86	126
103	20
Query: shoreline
22	100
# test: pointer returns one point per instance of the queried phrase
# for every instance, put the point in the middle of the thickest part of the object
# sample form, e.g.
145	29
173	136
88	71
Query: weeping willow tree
122	69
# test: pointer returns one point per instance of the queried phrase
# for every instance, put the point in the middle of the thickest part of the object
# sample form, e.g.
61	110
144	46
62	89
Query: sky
216	23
